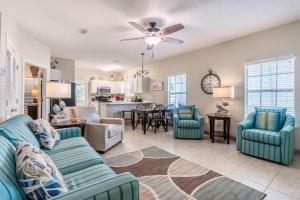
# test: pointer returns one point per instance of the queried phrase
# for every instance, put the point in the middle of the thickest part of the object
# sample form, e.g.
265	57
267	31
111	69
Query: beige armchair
102	134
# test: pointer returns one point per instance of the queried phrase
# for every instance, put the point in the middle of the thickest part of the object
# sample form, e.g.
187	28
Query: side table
66	124
226	125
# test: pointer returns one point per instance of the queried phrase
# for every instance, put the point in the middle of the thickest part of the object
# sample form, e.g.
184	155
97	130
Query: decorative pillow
267	121
281	111
37	174
45	133
185	113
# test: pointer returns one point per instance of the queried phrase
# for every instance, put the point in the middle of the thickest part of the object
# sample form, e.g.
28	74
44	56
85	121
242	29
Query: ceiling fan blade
149	47
129	39
172	29
172	40
137	26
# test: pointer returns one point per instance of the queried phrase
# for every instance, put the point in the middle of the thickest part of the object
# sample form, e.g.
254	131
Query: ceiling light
152	40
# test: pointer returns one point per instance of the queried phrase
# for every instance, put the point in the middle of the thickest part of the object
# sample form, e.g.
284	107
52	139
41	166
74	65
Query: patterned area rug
163	175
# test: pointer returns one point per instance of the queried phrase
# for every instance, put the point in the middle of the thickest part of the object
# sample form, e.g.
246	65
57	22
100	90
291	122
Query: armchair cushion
264	136
189	124
268	121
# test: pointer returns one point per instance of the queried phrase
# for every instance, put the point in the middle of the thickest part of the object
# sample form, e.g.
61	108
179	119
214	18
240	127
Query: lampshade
56	90
223	92
34	93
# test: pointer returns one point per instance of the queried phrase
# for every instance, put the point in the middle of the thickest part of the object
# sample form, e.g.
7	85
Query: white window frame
185	93
264	61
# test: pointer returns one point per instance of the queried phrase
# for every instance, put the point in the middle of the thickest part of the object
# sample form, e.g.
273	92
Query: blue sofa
188	128
276	146
85	173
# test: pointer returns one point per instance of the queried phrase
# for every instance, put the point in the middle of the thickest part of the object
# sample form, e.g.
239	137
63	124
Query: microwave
103	90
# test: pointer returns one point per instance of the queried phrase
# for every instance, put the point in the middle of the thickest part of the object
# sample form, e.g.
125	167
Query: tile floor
277	181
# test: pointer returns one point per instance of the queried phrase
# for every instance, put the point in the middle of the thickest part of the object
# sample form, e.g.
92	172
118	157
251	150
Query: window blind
177	89
271	83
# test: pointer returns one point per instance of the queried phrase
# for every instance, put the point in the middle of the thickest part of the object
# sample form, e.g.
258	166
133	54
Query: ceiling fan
154	35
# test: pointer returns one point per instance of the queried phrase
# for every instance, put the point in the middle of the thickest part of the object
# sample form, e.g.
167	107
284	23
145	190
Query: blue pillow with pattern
267	121
37	174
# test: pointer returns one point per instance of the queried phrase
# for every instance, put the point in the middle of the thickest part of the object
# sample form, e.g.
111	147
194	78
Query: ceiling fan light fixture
153	40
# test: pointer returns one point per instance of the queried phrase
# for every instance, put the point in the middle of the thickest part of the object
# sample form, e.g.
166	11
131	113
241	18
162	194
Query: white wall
227	60
29	49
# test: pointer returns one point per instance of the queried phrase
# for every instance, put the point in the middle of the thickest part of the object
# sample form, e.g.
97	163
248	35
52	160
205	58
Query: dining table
144	112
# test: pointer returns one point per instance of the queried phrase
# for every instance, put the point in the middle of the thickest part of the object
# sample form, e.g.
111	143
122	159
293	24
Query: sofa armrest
244	125
69	132
198	116
123	186
112	121
287	136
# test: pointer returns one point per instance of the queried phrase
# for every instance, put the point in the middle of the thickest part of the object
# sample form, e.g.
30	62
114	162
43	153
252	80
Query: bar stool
124	115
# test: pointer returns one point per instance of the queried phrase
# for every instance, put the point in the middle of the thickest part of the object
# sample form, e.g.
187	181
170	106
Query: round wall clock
210	81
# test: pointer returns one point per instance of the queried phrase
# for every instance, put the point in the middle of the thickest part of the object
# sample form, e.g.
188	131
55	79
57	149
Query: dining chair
139	115
169	113
157	118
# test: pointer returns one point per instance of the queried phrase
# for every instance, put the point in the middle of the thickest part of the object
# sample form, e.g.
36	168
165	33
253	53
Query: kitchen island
114	109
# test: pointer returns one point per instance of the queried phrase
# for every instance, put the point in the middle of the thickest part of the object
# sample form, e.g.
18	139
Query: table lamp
34	94
223	93
57	90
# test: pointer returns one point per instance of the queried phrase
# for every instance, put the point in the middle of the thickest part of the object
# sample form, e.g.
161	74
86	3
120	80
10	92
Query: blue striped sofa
276	146
85	173
188	128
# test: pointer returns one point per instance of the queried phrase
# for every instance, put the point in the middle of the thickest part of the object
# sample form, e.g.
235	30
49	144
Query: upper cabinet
139	85
117	87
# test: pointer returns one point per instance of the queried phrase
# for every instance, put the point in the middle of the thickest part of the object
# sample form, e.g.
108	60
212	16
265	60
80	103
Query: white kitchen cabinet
139	85
93	85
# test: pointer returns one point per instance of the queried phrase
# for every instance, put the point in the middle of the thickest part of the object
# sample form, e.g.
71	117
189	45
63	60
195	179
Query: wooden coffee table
66	124
226	125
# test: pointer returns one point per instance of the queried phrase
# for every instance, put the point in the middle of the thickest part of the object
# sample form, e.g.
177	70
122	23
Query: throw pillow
267	121
45	133
36	173
185	113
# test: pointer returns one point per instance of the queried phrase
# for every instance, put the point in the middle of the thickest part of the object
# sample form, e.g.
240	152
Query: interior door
12	80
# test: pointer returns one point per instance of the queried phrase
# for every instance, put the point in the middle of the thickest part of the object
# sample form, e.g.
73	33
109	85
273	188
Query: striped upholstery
69	132
274	146
67	144
9	187
189	124
268	121
85	172
188	129
17	129
72	160
264	136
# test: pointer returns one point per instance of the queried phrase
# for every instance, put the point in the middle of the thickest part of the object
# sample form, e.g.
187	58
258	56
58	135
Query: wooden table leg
210	128
213	131
144	123
224	129
132	119
228	130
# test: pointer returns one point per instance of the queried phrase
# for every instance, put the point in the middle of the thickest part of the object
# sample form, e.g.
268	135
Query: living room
150	99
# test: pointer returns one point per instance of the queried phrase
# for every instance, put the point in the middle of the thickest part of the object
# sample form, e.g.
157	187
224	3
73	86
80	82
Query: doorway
34	84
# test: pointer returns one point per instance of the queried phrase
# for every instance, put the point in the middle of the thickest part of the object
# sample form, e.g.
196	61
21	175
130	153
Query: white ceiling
207	22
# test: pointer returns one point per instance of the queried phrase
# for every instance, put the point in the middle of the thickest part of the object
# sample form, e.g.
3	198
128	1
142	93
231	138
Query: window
81	93
177	89
271	83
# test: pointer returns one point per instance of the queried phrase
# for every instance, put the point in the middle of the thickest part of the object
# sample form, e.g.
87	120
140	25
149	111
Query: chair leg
155	125
149	124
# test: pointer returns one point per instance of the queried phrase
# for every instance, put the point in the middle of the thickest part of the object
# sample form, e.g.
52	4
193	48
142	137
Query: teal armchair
188	123
274	144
